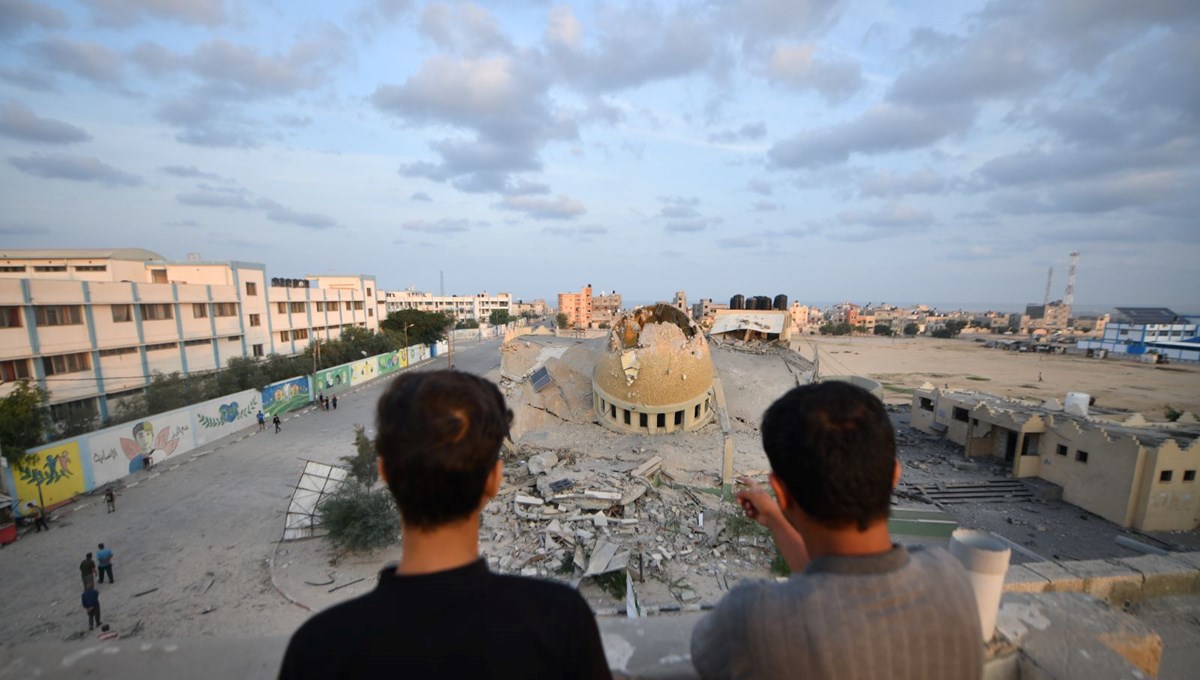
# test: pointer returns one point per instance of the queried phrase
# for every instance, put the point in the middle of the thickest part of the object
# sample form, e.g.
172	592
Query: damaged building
655	375
1131	472
744	325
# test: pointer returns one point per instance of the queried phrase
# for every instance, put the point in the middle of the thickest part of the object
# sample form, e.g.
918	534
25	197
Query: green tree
467	324
836	329
23	420
561	319
499	317
883	329
424	328
359	518
363	465
911	329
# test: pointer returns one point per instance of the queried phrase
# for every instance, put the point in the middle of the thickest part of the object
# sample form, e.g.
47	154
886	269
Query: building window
320	306
51	268
91	268
1081	456
368	292
300	334
197	342
1061	449
158	312
16	369
118	351
251	288
122	313
256	350
67	363
9	269
961	414
200	310
158	276
82	408
224	309
296	307
1189	475
370	312
281	307
10	317
234	338
358	305
255	320
59	315
284	336
162	346
926	404
1166	475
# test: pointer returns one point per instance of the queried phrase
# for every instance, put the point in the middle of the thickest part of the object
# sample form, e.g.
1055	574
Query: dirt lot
903	364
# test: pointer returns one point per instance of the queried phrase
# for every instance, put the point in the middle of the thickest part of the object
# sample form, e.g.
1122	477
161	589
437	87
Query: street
191	538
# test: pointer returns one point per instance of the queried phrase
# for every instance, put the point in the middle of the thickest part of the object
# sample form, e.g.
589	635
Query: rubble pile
562	517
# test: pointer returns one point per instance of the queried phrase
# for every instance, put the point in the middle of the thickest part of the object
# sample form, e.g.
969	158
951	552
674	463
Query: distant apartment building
1147	330
577	307
536	308
706	310
846	312
680	301
1132	473
804	317
462	307
92	326
1051	318
605	308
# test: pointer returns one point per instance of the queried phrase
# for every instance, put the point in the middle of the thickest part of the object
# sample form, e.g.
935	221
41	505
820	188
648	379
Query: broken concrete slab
1163	576
1060	580
1019	579
542	462
1107	580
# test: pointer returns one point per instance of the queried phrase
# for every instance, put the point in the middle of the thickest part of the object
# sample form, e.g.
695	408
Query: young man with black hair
441	612
857	605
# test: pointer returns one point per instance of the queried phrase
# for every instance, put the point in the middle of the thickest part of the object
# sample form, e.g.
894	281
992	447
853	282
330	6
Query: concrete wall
1174	504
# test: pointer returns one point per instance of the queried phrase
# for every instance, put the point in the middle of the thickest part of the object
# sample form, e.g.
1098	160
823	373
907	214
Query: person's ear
382	470
491	487
896	474
782	496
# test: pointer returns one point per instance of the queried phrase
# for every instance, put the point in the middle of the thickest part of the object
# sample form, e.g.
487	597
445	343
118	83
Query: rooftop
135	254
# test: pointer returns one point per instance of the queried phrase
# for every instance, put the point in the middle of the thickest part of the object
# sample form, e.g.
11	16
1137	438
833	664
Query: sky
829	150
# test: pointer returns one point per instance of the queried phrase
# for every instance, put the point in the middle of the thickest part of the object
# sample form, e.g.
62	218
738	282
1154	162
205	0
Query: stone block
1060	580
1163	575
1073	636
1108	580
1191	559
1019	579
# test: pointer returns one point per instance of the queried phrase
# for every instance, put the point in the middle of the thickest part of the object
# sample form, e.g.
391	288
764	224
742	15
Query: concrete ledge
1020	579
1188	559
1060	580
1163	576
1108	580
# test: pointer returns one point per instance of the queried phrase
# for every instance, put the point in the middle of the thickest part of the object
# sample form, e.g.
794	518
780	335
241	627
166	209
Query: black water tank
736	302
764	302
781	302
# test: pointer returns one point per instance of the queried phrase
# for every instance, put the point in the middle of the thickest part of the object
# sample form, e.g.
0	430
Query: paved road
197	532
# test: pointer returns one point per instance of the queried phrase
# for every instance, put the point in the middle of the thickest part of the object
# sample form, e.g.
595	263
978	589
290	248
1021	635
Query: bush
364	465
360	519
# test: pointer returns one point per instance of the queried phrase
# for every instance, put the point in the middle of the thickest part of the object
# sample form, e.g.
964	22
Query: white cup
986	560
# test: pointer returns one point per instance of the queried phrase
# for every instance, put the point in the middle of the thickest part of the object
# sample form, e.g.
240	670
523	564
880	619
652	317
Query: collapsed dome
655	374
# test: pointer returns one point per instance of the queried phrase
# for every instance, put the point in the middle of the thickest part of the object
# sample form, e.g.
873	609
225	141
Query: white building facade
476	307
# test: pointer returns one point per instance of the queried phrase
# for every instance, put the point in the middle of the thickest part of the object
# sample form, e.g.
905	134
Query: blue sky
872	151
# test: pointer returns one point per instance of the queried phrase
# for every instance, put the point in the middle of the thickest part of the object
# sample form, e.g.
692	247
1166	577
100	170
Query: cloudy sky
872	151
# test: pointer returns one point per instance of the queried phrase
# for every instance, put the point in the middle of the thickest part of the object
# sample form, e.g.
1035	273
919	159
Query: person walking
262	421
91	604
110	500
87	570
278	424
334	402
321	399
39	517
104	558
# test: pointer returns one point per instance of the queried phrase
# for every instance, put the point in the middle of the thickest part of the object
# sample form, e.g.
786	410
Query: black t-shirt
462	623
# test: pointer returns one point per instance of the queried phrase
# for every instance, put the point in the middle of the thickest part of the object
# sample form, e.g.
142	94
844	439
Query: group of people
89	569
857	605
325	402
262	422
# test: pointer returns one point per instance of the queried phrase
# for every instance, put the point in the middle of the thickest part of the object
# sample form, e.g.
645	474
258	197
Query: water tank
1077	403
764	302
736	302
781	302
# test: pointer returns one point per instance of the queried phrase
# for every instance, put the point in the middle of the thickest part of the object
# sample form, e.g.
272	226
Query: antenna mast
1049	280
1070	298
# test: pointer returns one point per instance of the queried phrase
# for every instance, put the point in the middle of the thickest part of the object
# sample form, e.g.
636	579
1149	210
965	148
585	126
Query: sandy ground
903	364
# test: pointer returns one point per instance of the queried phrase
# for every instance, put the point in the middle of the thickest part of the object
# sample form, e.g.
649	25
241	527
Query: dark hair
832	446
87	556
102	546
439	437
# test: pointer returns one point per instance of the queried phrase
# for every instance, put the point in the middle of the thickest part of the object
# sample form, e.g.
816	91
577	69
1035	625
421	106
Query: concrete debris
649	468
542	463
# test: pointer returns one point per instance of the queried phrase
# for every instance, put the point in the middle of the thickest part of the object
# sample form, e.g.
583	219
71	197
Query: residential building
1133	473
706	310
462	307
680	301
92	326
1147	330
536	308
804	317
605	309
577	307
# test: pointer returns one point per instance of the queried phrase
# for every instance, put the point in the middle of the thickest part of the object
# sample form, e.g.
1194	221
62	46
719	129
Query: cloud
577	233
209	123
750	132
28	79
558	208
463	28
678	211
18	16
759	20
688	226
760	186
125	13
766	206
76	168
293	121
18	122
236	198
747	241
420	196
795	67
893	219
181	223
525	187
89	61
24	230
442	226
189	171
890	184
279	213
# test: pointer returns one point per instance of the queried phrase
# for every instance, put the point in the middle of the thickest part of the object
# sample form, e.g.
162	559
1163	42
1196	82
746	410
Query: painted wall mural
362	371
214	419
124	449
286	395
56	469
388	363
333	380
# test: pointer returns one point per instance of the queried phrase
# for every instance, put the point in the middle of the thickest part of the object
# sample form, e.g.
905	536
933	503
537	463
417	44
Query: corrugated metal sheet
763	322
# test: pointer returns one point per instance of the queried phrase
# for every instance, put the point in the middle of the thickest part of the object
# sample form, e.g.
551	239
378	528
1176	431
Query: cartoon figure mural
336	379
124	449
361	372
144	446
49	475
285	396
389	362
214	419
